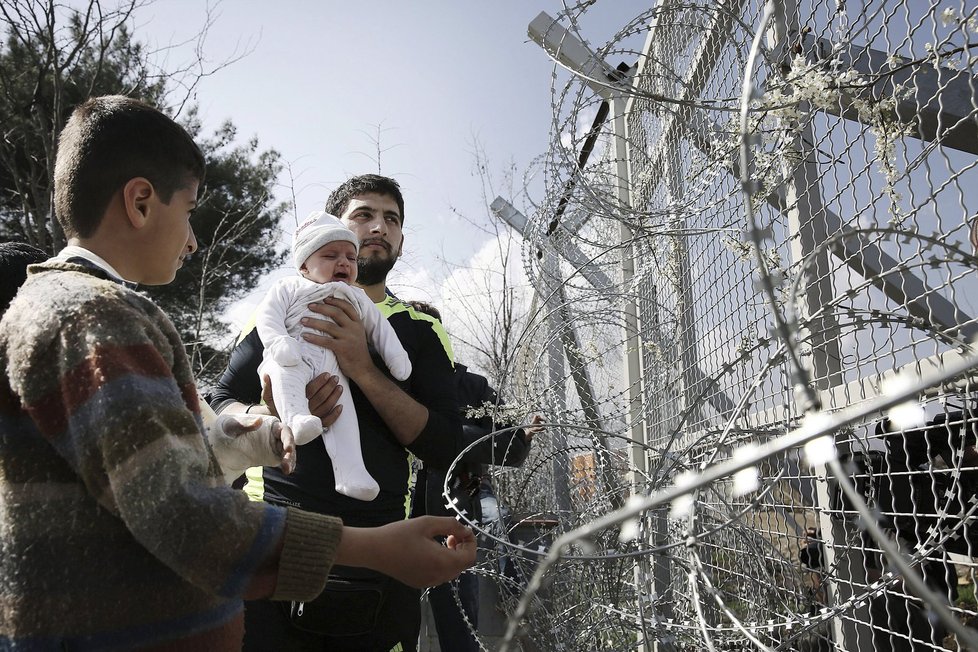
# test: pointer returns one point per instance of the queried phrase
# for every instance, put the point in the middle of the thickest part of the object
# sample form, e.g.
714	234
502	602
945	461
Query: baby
325	253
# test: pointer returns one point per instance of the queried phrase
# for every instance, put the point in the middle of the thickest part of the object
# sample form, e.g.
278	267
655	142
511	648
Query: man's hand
534	427
343	334
408	552
347	339
323	393
240	441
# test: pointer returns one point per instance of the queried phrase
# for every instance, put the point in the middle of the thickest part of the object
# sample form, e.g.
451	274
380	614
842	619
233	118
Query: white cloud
470	296
417	283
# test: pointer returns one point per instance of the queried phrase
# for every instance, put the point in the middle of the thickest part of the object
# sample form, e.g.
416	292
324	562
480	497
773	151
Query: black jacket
508	448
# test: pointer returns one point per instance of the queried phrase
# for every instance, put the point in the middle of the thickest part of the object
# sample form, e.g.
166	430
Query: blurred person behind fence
471	494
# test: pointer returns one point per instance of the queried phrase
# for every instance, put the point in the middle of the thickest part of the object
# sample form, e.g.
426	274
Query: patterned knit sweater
116	531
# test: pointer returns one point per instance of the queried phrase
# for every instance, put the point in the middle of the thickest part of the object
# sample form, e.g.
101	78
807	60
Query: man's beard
374	270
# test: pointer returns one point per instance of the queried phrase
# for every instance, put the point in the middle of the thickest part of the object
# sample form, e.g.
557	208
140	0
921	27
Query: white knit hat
319	229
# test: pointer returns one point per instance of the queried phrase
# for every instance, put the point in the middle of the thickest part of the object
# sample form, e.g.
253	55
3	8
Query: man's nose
191	242
378	225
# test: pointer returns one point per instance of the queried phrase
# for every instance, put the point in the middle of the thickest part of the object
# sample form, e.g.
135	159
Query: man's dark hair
364	184
106	142
14	259
426	308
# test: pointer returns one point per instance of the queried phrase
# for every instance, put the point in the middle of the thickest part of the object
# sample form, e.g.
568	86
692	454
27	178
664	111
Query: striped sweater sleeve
118	403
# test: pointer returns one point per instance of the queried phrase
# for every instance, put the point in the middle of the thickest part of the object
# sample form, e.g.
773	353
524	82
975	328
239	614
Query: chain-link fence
755	282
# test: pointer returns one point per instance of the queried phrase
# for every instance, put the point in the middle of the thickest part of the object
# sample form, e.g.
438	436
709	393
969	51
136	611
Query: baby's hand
400	366
241	441
285	351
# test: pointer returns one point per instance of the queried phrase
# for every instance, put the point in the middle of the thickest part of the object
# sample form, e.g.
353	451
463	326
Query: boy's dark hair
106	142
426	308
14	259
340	198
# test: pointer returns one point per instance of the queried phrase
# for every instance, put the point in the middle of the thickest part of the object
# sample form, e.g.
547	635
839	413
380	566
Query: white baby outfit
291	363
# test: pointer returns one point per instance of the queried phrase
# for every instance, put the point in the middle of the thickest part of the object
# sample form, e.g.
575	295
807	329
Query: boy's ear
137	196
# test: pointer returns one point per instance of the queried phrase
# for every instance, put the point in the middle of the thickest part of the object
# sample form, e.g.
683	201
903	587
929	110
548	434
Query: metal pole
807	229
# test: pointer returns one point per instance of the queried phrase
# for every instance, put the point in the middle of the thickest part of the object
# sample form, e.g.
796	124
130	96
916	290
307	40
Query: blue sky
436	77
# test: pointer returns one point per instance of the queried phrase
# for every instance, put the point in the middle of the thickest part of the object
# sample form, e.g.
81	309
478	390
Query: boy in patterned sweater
117	530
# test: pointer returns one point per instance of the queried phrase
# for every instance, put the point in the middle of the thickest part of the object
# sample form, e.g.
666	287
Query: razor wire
793	467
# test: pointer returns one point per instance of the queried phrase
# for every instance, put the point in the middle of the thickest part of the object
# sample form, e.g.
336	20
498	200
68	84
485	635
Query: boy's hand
266	395
343	334
241	441
408	552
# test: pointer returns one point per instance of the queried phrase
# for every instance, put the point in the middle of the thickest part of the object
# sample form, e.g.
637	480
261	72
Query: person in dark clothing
922	482
469	489
810	556
477	403
398	421
917	503
14	259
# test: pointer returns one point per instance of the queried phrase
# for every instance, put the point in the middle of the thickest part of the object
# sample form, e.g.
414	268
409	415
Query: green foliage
966	597
52	58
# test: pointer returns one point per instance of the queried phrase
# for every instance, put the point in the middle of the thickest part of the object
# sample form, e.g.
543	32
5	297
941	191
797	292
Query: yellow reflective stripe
397	648
249	326
255	487
412	481
391	306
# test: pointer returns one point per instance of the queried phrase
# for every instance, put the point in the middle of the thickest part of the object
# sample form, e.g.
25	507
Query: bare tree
56	55
489	302
376	139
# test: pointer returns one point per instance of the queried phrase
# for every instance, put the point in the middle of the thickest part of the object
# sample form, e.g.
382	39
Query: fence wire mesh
719	270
